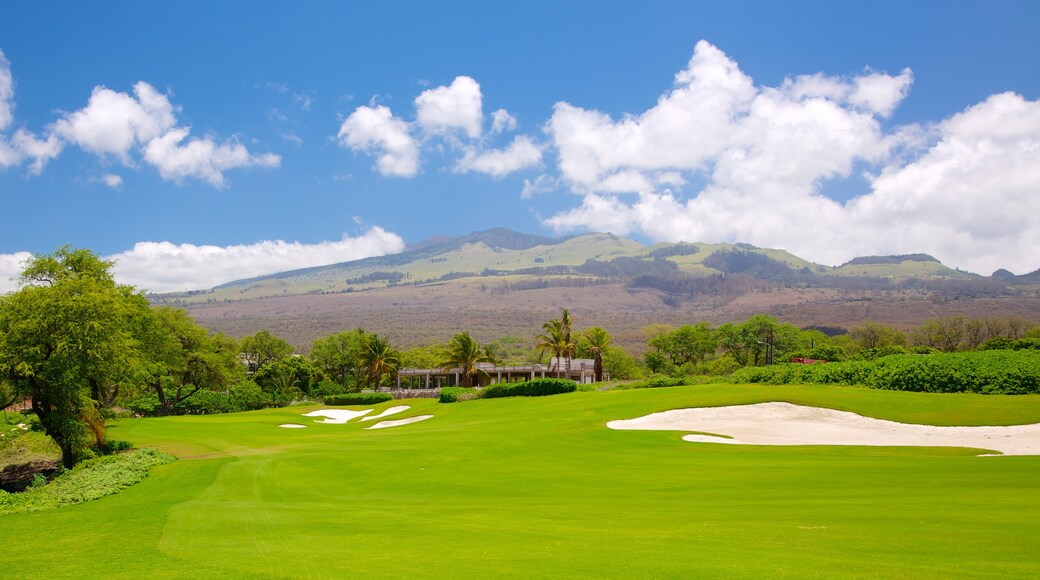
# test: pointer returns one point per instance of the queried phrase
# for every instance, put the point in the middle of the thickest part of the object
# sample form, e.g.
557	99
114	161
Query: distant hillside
500	283
507	261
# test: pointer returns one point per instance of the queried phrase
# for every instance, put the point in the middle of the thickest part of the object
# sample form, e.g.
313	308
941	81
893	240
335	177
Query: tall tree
264	348
595	341
378	359
180	358
555	340
64	329
465	354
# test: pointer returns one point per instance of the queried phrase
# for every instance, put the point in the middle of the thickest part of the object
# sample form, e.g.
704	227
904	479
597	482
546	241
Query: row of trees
702	349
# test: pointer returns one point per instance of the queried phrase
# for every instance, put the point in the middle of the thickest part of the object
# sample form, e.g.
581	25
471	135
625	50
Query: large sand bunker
341	416
787	424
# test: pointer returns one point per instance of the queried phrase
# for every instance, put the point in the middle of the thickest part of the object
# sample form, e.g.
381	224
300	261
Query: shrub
1006	372
89	480
535	388
656	383
358	398
248	396
456	394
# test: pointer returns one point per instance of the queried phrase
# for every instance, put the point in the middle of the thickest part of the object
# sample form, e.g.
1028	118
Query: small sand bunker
385	424
787	424
336	416
292	426
386	413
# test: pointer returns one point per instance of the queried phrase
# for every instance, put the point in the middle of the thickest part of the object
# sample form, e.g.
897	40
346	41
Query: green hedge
535	388
456	394
656	383
1006	372
358	399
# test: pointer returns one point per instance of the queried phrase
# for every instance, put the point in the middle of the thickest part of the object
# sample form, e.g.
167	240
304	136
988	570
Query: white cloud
520	154
112	123
112	180
502	121
115	124
541	184
11	266
375	129
881	93
202	158
457	106
168	267
6	93
964	190
39	150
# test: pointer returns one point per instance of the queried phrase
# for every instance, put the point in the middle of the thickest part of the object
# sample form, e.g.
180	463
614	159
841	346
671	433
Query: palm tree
378	358
595	341
464	353
556	340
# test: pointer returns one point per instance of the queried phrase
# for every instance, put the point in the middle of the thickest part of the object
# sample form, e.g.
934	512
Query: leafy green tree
289	378
179	358
876	335
339	355
464	353
687	344
594	341
749	343
66	328
263	348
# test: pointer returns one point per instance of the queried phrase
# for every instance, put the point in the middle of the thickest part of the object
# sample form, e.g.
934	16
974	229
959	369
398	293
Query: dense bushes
992	372
456	394
358	398
535	388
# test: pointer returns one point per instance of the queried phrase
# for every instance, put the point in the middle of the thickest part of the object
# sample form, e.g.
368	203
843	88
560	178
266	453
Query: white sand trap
399	422
787	424
336	416
388	412
292	426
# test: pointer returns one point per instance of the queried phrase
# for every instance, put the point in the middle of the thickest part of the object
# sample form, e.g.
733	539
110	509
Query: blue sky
199	142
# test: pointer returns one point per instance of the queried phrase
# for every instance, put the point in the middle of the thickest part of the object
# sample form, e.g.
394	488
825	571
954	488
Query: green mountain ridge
510	257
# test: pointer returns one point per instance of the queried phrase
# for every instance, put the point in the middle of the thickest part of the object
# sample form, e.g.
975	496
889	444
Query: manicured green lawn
540	488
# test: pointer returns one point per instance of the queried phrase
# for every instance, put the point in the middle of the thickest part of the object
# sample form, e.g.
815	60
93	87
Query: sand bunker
787	424
292	426
385	424
388	412
336	416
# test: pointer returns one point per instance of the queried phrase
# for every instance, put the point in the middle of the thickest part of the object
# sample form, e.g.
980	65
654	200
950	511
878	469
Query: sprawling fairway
541	488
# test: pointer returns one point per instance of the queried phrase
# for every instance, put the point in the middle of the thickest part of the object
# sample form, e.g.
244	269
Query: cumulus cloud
112	122
376	130
168	267
520	154
449	115
120	126
454	107
963	189
202	158
502	121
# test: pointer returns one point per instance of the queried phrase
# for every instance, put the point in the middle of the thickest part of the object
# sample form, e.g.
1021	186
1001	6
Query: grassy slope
540	488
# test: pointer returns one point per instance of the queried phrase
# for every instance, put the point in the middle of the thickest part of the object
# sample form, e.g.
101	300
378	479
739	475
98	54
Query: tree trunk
598	367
